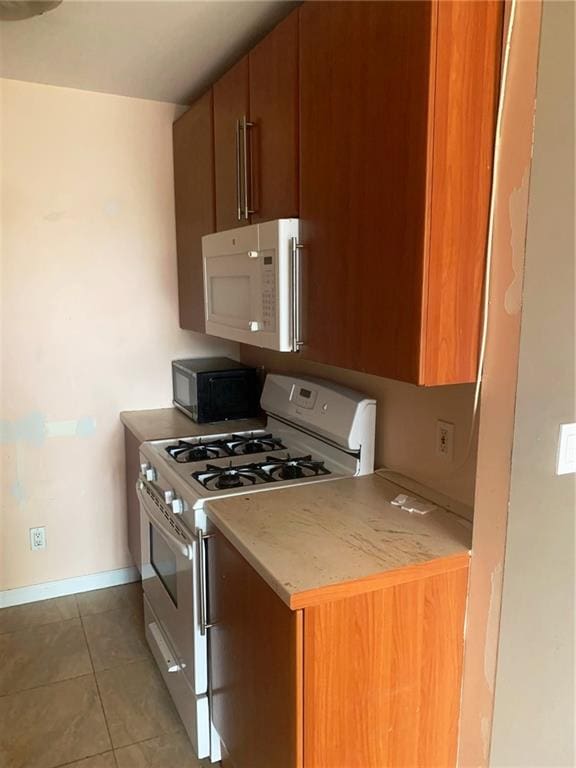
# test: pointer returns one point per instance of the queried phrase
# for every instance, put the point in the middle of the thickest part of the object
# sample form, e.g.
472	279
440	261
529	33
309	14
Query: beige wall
89	316
534	714
406	422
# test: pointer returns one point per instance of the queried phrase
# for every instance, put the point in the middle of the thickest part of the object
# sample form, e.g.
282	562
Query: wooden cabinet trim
466	66
323	595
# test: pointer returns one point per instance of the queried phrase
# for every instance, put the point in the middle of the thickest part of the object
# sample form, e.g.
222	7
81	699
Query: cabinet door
230	105
274	114
363	135
194	199
131	449
255	650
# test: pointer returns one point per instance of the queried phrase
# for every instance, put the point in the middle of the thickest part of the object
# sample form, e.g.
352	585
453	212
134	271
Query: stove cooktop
219	465
272	469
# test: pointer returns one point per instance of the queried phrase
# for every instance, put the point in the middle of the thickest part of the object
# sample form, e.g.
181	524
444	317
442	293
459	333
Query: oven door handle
202	579
160	518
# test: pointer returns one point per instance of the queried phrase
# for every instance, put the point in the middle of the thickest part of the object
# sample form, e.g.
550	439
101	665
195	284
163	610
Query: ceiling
168	50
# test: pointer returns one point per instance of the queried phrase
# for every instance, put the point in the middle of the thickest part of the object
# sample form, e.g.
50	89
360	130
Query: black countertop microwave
215	389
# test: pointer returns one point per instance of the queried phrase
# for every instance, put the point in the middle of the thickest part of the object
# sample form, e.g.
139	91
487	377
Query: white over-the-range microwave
252	284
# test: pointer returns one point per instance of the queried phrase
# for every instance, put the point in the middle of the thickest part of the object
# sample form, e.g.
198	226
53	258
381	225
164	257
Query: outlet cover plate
445	440
38	538
566	456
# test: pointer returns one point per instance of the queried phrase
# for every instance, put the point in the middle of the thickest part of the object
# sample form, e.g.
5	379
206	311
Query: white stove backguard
337	414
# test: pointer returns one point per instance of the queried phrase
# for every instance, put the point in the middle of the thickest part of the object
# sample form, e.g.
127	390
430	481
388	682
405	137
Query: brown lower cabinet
132	455
365	681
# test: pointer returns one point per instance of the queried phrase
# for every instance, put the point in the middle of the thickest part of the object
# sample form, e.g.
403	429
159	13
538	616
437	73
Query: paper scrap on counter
413	505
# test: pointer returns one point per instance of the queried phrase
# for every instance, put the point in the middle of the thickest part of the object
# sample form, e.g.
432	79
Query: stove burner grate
215	478
184	452
293	468
242	444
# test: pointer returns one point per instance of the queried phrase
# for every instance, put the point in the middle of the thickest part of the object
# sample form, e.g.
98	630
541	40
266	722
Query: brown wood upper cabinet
256	132
397	114
231	104
274	114
194	200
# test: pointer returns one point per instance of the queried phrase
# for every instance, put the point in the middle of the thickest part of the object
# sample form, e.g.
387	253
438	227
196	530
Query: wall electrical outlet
445	440
38	538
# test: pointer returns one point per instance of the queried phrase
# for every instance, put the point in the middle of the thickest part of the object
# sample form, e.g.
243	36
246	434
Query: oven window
163	561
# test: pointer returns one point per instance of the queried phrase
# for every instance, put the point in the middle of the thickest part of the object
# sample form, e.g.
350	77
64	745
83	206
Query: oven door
169	580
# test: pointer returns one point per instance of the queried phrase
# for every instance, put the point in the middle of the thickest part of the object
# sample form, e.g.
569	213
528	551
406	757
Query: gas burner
289	468
224	478
185	453
242	444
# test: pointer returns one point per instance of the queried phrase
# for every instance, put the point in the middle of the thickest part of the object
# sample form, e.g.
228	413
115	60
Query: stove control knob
151	475
168	497
177	506
254	325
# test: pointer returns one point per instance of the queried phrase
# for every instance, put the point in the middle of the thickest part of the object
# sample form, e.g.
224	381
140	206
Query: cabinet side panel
364	69
382	676
231	102
132	448
274	112
255	664
194	202
467	75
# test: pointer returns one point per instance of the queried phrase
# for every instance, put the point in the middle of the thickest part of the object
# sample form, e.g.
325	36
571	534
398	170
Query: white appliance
315	432
252	284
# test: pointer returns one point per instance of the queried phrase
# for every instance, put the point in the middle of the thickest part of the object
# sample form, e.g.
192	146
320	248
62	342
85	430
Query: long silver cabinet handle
202	579
238	173
246	167
171	664
295	249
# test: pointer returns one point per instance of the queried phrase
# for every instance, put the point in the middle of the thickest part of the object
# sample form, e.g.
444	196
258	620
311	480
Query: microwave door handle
295	249
238	174
181	547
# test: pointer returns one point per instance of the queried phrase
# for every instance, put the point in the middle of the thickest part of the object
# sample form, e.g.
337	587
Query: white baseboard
36	592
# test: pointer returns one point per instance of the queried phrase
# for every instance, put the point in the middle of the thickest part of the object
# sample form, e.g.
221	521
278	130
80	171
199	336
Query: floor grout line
93	673
88	757
98	692
46	685
42	623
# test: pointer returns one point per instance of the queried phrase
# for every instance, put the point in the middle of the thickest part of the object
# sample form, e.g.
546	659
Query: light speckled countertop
164	423
318	542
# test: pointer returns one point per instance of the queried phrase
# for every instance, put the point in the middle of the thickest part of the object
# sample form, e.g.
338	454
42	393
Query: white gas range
315	432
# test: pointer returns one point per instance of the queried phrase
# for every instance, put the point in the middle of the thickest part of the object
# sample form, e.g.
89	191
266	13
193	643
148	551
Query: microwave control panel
268	290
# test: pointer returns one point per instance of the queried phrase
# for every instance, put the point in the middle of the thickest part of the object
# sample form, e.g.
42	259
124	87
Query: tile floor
78	687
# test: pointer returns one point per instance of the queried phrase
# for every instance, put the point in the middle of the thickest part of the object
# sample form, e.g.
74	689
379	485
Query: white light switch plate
566	458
